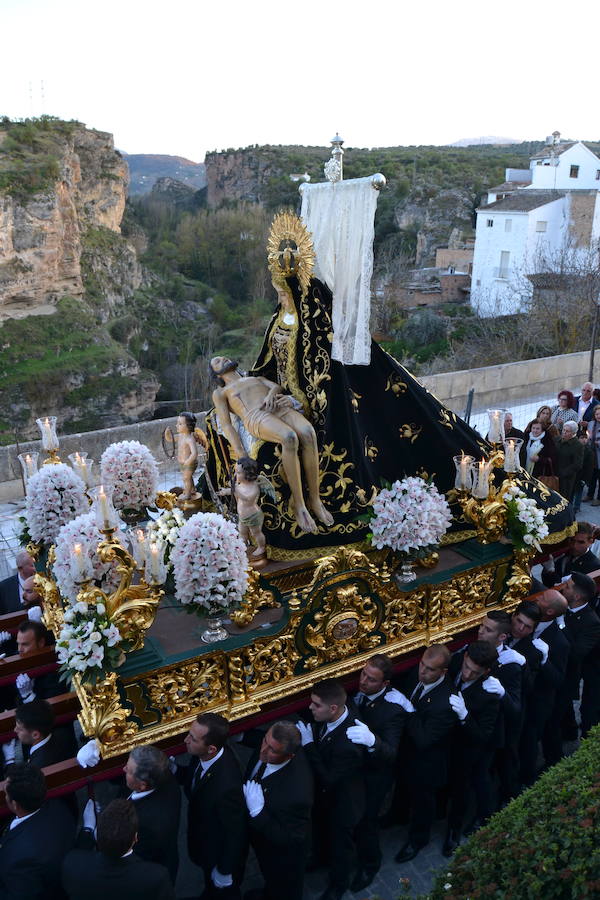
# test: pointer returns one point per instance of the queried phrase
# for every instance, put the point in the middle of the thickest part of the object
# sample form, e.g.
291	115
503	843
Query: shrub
544	844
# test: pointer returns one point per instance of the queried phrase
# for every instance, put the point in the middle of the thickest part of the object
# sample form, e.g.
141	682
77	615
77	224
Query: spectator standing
544	415
563	411
538	453
11	589
593	430
585	402
570	459
509	430
585	474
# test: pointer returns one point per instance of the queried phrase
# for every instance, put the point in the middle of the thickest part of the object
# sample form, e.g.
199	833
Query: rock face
41	237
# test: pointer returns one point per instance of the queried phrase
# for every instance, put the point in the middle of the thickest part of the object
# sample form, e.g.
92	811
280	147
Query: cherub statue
269	415
187	454
247	487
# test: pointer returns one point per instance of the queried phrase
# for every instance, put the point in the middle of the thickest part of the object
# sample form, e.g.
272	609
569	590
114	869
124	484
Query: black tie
322	731
259	774
509	642
362	701
197	774
417	693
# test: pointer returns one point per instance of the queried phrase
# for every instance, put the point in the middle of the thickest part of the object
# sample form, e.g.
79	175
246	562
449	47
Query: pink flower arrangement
410	517
55	496
129	471
210	564
82	530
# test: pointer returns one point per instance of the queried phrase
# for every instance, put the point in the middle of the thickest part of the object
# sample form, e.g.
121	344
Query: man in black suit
424	750
472	744
337	765
379	728
279	795
578	557
32	636
42	743
550	630
584	403
33	846
115	872
157	799
11	589
216	829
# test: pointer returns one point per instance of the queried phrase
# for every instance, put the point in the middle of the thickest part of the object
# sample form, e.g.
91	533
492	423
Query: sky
191	76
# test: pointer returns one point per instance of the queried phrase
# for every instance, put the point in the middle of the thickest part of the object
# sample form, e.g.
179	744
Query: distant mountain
146	168
487	139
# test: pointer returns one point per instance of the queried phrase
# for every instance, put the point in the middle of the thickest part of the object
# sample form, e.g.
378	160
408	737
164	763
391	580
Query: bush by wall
543	845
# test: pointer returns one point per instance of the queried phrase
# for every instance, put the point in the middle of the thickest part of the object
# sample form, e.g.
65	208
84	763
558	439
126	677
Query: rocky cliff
66	273
41	232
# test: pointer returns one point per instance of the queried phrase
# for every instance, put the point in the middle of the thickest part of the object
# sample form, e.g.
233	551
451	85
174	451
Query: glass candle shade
139	542
47	428
106	514
462	482
496	429
82	565
156	570
83	466
29	464
480	473
512	447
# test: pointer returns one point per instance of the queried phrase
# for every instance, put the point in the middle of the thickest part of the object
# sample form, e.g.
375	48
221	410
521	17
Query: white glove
508	655
457	703
89	755
219	880
306	734
8	751
493	686
34	613
172	765
360	734
25	688
542	646
254	797
548	565
5	636
399	699
90	812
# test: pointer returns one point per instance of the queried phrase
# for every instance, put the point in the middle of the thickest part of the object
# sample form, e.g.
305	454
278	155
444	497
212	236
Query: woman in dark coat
538	453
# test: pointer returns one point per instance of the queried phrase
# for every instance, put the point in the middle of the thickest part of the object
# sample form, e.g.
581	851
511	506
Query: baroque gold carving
102	714
188	688
344	624
255	598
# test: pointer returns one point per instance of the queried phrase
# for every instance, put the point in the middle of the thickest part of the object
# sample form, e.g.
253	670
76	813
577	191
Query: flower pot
214	631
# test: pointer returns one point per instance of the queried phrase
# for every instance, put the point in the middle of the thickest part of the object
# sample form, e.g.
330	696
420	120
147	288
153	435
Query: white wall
549	177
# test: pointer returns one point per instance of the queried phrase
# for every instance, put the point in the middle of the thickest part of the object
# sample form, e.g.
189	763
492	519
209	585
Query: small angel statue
248	485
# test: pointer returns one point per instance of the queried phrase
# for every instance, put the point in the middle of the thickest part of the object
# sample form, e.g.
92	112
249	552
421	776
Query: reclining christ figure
270	416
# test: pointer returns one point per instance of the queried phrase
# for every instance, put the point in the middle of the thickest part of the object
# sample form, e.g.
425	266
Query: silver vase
214	631
406	573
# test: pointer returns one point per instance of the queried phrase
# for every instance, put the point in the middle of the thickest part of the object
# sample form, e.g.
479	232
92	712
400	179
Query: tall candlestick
103	500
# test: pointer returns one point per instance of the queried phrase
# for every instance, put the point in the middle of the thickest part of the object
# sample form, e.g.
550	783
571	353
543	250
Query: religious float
342	511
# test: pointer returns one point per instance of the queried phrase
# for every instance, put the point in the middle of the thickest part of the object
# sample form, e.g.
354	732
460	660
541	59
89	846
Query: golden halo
290	250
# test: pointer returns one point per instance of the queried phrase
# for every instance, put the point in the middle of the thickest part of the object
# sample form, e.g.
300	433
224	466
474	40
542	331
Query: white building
533	214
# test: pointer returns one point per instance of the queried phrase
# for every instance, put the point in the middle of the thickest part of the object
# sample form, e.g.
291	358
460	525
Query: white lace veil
340	217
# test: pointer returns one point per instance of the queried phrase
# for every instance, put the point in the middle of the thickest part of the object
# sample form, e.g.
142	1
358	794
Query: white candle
464	466
79	562
83	471
510	456
29	465
154	563
103	500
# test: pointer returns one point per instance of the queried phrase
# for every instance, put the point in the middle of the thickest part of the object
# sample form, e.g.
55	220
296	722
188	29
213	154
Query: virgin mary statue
374	422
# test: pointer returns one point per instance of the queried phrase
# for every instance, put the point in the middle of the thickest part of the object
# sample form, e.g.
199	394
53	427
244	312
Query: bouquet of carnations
89	644
165	531
83	531
129	472
210	565
525	520
410	517
55	496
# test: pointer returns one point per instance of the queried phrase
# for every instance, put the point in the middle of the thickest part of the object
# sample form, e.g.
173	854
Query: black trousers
378	784
590	703
334	843
468	776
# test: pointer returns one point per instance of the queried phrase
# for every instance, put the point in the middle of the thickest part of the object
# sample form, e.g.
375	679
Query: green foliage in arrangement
30	154
542	845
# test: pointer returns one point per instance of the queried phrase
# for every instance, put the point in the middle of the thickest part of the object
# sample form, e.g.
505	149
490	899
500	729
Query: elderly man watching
570	459
584	403
11	589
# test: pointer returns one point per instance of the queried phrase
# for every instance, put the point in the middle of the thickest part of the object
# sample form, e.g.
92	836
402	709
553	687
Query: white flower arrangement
82	530
88	643
55	496
410	517
210	565
526	521
129	471
164	531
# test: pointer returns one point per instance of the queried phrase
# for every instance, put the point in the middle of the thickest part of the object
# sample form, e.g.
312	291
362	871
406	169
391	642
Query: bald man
11	589
585	402
550	678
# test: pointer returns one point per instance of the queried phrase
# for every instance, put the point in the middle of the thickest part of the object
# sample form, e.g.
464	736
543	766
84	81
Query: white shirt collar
137	795
332	725
129	852
429	687
21	583
40	744
539	629
18	821
575	609
269	768
369	697
207	763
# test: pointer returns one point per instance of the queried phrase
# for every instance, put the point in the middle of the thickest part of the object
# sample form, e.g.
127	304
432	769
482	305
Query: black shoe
362	879
451	843
406	853
332	893
255	894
